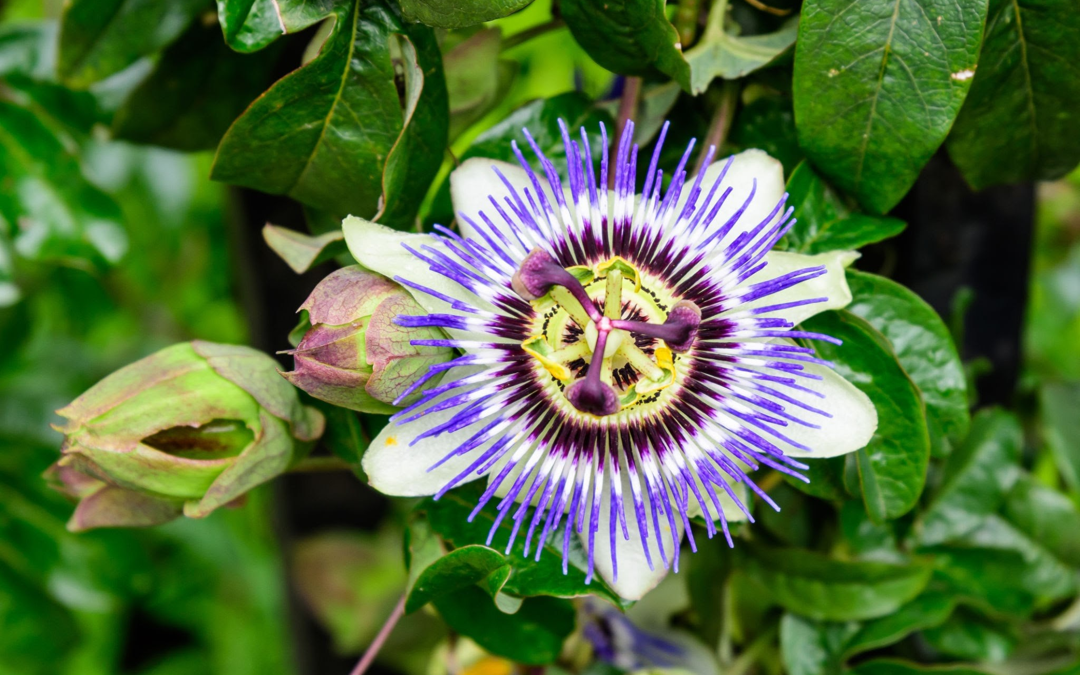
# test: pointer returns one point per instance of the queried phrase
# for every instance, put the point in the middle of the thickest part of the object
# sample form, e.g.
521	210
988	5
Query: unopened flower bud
355	355
185	430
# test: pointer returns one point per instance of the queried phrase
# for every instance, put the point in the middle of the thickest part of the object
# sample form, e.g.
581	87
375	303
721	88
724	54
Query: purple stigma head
593	396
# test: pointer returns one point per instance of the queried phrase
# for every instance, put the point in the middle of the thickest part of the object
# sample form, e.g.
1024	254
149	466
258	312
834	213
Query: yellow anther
621	264
539	349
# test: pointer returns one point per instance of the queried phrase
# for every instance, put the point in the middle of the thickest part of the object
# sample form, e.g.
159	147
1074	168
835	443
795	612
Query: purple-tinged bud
354	355
186	430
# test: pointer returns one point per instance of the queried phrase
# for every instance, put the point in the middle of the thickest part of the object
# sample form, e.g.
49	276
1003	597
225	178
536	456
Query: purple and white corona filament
627	361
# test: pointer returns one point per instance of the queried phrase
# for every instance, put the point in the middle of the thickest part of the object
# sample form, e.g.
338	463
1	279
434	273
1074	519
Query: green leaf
925	611
251	25
449	515
196	90
824	223
301	251
457	569
1002	571
459	13
1043	575
476	79
48	211
975	479
971	637
877	86
892	467
335	133
818	587
102	37
1046	516
417	154
810	647
768	122
1019	121
629	37
541	117
1059	402
922	343
729	56
533	635
826	479
866	539
890	667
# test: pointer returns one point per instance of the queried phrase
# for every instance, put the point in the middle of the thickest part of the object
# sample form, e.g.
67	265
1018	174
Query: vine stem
530	33
373	649
627	107
721	123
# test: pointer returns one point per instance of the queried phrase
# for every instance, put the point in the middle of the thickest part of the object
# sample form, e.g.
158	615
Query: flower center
597	335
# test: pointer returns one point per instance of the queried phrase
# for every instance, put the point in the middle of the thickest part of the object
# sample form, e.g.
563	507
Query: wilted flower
185	430
628	361
354	355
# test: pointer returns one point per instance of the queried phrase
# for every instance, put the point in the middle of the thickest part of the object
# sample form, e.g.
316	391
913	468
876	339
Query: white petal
396	468
635	578
746	167
732	512
382	249
476	180
853	423
831	285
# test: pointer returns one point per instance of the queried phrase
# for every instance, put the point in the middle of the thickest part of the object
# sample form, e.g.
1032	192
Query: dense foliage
137	139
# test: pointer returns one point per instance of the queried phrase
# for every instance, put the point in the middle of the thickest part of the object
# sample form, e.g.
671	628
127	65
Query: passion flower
627	361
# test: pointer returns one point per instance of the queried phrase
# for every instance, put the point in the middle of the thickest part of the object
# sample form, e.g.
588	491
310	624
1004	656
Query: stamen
679	331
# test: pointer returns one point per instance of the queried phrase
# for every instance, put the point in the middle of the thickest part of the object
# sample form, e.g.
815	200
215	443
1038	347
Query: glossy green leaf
250	25
1019	120
102	37
877	85
970	637
1059	402
629	37
533	635
890	667
975	479
457	569
922	343
722	54
448	517
196	90
819	587
48	211
892	467
337	132
1047	517
301	251
824	223
459	13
